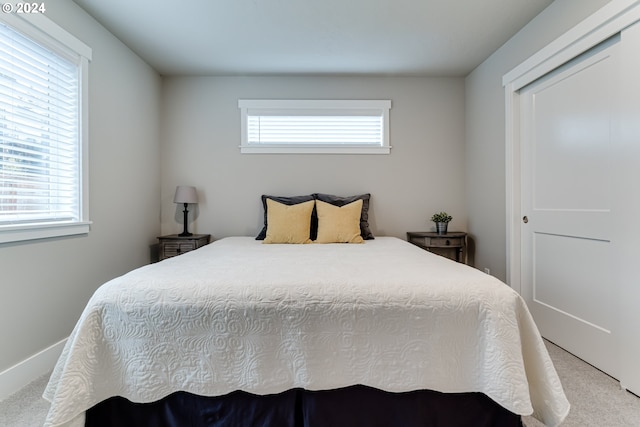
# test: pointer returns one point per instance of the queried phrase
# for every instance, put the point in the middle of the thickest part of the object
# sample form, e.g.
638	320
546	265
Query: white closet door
566	123
626	211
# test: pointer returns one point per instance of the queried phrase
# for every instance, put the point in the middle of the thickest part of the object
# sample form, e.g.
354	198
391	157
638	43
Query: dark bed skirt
348	407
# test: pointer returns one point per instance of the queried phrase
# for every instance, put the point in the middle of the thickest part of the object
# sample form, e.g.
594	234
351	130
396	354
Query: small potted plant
442	221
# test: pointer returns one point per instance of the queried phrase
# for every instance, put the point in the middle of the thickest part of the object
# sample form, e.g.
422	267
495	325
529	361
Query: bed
298	328
313	323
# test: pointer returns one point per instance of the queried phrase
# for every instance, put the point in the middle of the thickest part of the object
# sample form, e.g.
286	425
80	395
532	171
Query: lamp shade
185	194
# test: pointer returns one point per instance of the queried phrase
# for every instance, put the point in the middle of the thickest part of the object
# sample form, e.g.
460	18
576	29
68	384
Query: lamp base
185	233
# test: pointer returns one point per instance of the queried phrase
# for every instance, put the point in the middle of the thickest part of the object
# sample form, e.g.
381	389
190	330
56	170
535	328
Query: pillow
287	201
365	232
288	224
339	224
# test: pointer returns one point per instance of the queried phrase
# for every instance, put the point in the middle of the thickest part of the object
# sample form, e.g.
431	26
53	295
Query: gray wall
485	127
45	284
423	174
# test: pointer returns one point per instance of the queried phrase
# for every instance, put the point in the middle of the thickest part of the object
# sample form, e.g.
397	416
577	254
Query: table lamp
185	194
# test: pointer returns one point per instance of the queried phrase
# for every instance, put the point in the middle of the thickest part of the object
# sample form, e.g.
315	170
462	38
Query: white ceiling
377	37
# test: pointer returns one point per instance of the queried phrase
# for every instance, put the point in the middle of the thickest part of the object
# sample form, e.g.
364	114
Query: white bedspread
241	315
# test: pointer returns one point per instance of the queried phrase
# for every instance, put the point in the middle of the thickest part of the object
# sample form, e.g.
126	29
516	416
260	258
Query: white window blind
40	149
317	126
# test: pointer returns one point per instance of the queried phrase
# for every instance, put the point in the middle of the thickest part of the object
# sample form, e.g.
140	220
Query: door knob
525	219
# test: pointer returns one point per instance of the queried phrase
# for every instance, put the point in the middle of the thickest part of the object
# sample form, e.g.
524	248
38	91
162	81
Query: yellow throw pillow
339	224
288	224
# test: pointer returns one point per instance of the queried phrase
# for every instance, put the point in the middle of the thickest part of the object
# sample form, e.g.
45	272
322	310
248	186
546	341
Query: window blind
315	126
315	129
39	147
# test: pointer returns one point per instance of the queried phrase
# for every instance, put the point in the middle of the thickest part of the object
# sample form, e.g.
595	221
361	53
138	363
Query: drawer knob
447	243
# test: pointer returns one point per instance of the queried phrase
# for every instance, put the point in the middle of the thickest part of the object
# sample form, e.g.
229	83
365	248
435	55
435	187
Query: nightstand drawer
443	242
452	244
174	245
169	249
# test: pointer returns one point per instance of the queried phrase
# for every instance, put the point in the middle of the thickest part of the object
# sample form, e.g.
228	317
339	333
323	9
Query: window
315	126
43	189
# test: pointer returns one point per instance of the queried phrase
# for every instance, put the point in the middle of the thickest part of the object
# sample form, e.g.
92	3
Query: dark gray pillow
365	232
294	200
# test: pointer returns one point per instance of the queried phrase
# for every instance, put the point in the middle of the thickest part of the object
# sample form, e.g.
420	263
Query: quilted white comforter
241	315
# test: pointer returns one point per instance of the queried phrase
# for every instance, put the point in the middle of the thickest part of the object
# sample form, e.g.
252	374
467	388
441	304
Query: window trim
327	104
46	32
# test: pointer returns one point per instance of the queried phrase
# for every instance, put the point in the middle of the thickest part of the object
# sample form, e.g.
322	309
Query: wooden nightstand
452	245
173	244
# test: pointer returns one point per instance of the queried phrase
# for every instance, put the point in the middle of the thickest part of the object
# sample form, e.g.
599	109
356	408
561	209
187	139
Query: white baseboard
21	374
